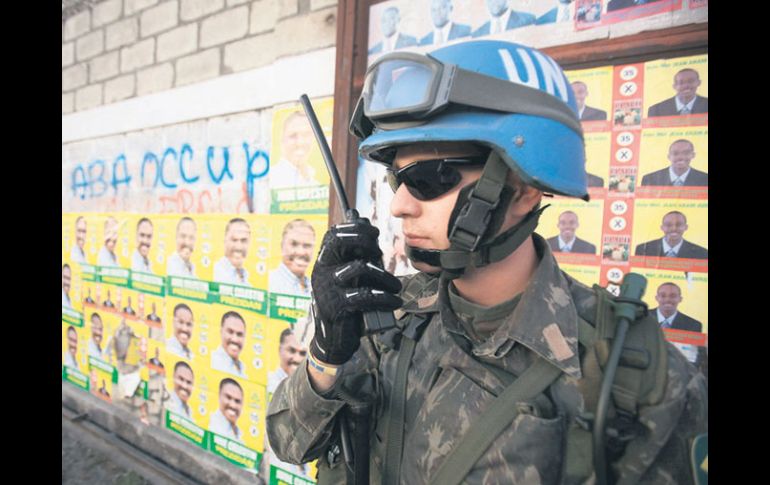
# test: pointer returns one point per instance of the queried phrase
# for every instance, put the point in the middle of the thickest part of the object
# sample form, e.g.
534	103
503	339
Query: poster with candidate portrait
184	403
74	357
298	177
674	163
189	323
235	415
675	300
676	91
190	247
671	234
239	252
571	228
285	354
294	243
148	243
237	344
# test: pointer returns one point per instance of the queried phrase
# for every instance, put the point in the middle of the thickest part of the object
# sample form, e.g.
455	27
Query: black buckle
473	219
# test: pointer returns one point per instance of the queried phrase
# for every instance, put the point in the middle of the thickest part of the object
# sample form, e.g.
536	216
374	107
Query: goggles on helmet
428	179
403	89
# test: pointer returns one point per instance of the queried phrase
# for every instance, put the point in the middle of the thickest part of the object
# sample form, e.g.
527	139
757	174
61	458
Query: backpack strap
640	380
394	437
495	419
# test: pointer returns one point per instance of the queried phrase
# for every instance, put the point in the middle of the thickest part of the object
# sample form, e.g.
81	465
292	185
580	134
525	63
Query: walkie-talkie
374	321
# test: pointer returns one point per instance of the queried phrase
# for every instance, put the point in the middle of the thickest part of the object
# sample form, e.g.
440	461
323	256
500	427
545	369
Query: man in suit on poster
680	154
183	388
686	101
669	296
587	113
566	241
78	253
140	259
179	263
562	12
672	244
107	256
444	28
231	268
392	38
502	18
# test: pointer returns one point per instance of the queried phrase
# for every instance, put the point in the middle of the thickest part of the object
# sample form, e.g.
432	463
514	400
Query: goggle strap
473	220
503	245
473	89
508	241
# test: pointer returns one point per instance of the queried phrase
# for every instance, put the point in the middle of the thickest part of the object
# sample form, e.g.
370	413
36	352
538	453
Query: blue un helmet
507	97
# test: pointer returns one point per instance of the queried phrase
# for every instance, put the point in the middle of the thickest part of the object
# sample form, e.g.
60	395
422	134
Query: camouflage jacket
447	389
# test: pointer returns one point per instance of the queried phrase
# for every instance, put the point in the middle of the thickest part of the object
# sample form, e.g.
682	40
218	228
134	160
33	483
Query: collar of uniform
545	319
419	293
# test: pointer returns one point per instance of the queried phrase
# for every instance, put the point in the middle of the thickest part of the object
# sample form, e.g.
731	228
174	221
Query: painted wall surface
171	111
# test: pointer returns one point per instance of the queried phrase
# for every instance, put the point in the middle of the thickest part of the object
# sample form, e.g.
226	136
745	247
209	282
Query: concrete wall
122	49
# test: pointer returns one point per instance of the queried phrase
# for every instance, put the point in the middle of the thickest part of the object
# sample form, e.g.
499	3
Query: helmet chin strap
477	216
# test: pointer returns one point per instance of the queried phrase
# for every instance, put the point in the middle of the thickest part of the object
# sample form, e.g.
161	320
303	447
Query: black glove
348	280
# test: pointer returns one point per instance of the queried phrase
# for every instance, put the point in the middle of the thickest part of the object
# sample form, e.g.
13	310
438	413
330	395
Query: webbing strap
391	468
498	416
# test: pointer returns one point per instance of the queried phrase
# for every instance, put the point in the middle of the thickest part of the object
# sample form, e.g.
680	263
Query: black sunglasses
428	179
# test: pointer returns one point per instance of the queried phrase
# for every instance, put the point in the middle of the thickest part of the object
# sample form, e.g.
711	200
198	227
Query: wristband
329	371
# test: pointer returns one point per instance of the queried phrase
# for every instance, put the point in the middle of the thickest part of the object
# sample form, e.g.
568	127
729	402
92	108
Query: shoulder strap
495	419
391	468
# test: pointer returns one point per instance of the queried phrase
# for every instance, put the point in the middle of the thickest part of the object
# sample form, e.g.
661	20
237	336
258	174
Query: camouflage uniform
447	389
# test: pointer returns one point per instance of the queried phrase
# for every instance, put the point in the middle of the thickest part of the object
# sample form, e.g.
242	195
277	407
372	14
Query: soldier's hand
348	280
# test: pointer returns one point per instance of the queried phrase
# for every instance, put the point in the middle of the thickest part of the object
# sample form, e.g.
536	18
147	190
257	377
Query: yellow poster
298	179
112	234
147	247
189	326
71	287
671	228
188	246
236	343
679	303
597	159
674	156
283	354
99	327
185	405
235	420
671	85
101	382
572	229
74	347
239	250
77	240
294	246
593	92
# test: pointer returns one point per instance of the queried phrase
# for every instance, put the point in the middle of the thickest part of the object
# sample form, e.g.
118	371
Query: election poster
235	415
239	252
184	403
190	248
238	342
74	368
298	178
294	245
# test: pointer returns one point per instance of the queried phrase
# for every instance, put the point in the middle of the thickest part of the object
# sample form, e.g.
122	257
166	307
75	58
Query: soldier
470	150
